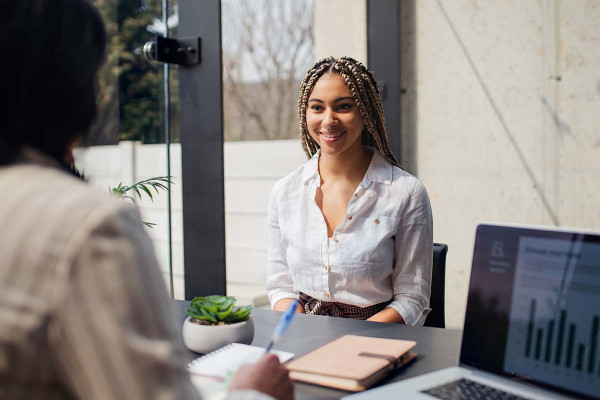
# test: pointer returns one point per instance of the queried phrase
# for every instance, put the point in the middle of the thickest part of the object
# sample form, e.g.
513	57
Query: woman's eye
315	107
345	106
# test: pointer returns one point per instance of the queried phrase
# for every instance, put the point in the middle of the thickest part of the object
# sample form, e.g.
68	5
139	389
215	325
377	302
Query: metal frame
383	52
202	152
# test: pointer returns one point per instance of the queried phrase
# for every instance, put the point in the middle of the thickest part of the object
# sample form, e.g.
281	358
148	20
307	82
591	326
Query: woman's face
332	117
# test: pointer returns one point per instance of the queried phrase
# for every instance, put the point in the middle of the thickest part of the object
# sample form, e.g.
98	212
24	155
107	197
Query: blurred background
492	105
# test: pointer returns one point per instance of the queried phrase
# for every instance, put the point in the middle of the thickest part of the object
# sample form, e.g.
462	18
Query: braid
363	86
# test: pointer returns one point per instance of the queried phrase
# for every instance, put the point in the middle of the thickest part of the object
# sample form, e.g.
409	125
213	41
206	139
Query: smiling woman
350	232
333	119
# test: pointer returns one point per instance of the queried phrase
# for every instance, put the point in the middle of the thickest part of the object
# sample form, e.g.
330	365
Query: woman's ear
68	158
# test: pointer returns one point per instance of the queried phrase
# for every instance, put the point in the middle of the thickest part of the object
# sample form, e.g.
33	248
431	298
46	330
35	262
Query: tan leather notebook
352	362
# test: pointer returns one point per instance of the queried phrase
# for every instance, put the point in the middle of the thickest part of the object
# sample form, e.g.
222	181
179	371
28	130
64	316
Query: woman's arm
413	257
283	305
387	315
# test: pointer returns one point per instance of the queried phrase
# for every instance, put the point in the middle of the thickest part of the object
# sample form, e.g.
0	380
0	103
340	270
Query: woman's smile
332	117
331	136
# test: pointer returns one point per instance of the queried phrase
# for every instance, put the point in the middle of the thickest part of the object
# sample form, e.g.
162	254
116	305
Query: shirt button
335	239
350	217
326	294
376	220
355	194
325	267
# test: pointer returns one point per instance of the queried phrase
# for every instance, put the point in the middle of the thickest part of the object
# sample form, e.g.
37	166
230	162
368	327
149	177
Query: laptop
532	322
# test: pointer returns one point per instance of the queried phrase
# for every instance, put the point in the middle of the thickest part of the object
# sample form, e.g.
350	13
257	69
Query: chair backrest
436	317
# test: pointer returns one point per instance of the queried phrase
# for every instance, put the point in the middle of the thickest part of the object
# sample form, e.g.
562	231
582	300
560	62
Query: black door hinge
182	51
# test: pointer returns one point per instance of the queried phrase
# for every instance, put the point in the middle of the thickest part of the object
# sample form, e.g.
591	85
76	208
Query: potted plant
214	321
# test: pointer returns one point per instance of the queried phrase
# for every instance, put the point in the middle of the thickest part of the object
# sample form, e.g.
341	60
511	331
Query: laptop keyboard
464	389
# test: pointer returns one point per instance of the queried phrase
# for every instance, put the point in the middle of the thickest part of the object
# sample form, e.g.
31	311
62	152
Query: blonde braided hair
366	95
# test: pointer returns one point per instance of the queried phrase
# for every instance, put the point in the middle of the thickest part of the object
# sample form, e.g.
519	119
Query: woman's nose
329	119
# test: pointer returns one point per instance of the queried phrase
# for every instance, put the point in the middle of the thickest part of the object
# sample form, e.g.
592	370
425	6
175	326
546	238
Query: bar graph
593	347
555	351
554	328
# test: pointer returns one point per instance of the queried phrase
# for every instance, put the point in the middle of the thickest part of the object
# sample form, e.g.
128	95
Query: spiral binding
201	360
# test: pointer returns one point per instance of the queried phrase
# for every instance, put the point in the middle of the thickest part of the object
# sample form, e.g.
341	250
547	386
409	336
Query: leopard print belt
335	309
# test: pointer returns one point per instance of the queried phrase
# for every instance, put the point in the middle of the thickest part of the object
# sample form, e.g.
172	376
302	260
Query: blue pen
284	322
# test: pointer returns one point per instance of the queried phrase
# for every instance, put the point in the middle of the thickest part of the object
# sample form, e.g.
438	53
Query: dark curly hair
51	51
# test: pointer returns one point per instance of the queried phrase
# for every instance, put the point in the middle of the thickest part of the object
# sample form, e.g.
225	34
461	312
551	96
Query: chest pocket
371	240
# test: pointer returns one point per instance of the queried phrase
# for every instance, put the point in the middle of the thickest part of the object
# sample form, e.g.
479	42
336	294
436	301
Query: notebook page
229	358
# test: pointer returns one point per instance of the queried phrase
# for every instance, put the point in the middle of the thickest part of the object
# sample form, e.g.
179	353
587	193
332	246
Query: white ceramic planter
206	338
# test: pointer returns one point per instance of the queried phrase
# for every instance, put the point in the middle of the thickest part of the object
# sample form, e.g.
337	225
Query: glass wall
127	144
268	45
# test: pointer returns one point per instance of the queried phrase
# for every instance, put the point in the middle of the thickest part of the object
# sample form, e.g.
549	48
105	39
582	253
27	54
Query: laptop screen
533	311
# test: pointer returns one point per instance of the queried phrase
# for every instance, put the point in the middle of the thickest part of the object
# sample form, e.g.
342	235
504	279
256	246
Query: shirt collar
311	168
380	170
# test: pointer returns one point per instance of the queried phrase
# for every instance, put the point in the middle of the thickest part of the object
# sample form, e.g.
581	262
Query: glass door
267	45
135	145
223	130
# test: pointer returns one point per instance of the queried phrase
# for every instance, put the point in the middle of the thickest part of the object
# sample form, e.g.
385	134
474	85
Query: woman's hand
387	315
283	305
267	376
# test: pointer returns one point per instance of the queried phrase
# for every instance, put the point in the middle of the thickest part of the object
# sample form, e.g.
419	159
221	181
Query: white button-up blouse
382	251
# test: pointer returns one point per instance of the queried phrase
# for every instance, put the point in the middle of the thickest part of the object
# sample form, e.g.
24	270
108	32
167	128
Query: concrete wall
507	120
340	28
500	116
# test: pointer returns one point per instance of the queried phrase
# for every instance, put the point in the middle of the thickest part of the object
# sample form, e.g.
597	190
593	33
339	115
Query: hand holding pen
284	322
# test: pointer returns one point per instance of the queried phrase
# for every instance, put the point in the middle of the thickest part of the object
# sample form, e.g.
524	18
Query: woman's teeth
331	135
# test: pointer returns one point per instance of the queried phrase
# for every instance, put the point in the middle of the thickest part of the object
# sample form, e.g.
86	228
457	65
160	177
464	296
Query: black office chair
436	317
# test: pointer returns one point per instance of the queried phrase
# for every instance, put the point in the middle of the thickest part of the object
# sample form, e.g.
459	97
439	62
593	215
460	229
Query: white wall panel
251	170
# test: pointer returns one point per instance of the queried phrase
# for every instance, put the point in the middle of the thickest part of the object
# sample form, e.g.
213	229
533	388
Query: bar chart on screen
555	312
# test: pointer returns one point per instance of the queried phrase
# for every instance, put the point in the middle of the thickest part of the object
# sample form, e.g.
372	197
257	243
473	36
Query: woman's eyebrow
335	101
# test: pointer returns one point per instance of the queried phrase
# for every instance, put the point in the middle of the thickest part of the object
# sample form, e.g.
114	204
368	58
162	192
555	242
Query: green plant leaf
218	308
157	183
222	316
228	304
193	313
147	191
208	316
137	191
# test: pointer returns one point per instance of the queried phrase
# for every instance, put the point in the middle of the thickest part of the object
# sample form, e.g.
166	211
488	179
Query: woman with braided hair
350	232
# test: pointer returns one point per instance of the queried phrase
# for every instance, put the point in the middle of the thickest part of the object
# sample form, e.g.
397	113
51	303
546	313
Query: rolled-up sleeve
413	258
279	279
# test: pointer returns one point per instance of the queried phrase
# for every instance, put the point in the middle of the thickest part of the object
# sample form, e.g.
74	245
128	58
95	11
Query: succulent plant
217	310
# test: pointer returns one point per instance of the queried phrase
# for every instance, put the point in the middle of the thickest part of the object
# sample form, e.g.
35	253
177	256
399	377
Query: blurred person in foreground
84	312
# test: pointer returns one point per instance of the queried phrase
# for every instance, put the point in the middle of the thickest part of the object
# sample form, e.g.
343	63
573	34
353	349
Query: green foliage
130	87
141	187
217	310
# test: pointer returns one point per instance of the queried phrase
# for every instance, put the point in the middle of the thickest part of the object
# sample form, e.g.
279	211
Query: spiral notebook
219	363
